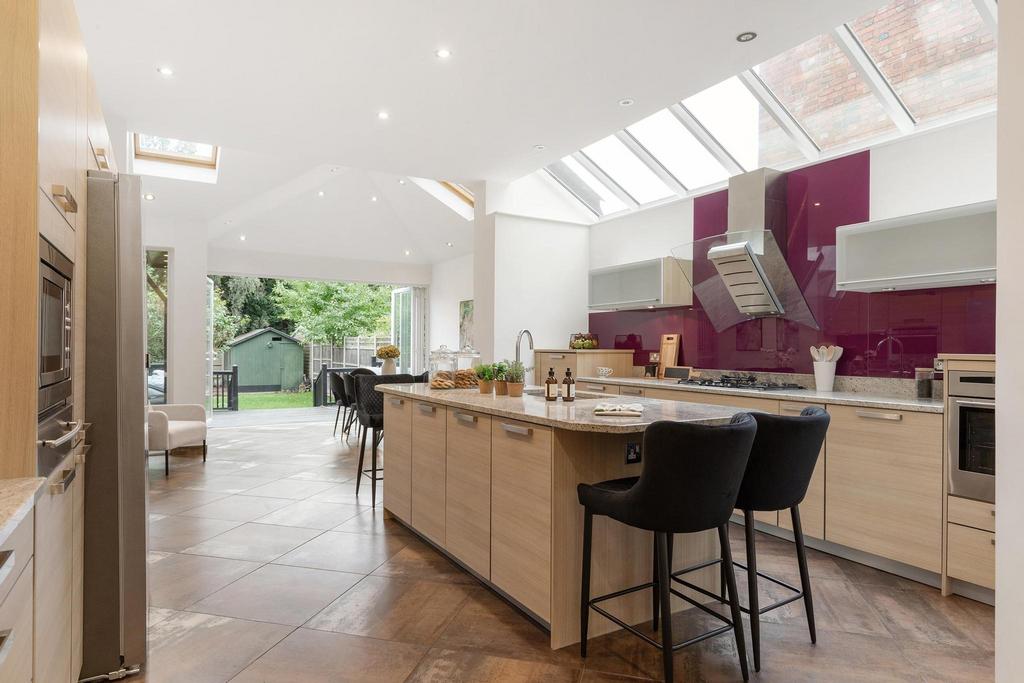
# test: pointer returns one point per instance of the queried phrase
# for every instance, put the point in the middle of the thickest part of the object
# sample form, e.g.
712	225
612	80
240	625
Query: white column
1009	342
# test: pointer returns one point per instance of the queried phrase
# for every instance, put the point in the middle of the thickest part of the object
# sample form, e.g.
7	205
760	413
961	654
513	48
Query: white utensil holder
824	375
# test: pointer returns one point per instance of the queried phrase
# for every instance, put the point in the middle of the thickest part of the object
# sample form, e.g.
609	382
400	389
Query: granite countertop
575	416
849	398
568	350
17	497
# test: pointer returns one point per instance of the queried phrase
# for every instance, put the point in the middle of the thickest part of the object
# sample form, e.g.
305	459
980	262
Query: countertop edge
629	351
17	499
809	395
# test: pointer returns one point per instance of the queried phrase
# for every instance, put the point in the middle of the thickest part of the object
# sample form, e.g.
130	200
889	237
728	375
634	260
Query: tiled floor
266	567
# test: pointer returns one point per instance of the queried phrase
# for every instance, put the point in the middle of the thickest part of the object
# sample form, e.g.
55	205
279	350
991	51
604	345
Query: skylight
594	194
678	150
175	151
460	191
939	55
625	168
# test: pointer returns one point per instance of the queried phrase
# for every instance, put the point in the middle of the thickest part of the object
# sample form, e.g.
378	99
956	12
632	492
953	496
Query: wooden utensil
669	355
838	354
814	353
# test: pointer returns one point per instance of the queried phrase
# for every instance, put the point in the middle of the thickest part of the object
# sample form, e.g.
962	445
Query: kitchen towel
618	410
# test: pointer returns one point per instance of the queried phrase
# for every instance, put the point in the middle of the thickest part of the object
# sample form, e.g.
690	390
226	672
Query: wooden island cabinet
491	481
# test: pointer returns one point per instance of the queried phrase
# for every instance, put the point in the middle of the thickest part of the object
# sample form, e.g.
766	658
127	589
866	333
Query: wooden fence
353	352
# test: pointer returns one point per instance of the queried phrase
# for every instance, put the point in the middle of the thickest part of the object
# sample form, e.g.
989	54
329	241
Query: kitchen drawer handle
61	487
993	513
64	197
101	159
516	429
6	564
558	356
631	392
597	387
80	457
465	417
397	402
6	638
75	427
873	415
993	541
426	408
794	409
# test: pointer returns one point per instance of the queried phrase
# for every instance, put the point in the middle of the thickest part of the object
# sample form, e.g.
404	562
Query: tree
326	312
225	324
251	300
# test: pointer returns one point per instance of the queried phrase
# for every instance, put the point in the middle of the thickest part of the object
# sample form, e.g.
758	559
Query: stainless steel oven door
971	448
54	326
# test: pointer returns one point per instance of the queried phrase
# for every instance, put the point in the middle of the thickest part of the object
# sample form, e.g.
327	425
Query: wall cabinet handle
61	487
6	564
426	408
465	417
516	429
6	638
873	415
66	200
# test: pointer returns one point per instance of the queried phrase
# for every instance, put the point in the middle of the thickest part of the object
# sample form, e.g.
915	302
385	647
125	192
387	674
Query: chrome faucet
519	341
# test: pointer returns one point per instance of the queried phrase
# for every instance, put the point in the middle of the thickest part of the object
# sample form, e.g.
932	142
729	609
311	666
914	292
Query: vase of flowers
515	376
500	383
388	353
485	377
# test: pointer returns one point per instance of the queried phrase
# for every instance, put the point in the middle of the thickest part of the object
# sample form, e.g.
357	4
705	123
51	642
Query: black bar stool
690	479
370	413
349	385
779	471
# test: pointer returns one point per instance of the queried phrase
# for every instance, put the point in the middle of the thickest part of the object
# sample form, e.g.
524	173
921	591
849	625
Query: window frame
170	158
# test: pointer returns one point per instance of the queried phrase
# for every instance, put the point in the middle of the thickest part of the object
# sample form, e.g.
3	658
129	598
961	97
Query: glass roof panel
821	88
939	55
173	149
588	189
678	150
735	118
625	168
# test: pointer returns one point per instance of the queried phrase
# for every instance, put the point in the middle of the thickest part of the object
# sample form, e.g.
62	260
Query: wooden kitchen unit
493	486
582	362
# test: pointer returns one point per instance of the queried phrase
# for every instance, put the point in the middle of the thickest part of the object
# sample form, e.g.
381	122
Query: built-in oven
971	438
57	431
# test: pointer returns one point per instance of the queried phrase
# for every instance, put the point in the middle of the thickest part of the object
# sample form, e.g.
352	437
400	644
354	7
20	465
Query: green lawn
275	399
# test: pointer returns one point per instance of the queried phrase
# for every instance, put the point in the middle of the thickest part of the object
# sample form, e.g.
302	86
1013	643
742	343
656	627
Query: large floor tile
174	533
255	542
227	483
912	616
392	609
344	552
201	648
278	594
372	522
465	666
312	514
296	489
308	656
239	508
180	500
177	581
417	560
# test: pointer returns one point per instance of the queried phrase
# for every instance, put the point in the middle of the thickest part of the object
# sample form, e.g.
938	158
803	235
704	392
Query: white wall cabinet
655	283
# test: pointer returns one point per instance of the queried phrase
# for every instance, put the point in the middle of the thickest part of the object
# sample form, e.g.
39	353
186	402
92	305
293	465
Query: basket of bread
458	379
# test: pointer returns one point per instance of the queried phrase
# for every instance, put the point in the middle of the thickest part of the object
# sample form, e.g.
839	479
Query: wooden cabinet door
428	469
559	360
971	555
61	56
16	619
53	567
598	388
588	363
77	563
398	457
765	405
812	509
634	392
468	490
883	484
521	513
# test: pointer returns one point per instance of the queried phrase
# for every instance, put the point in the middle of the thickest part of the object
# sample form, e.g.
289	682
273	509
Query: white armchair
174	426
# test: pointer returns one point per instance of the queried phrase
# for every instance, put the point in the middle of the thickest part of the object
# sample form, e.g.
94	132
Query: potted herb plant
388	353
515	376
485	375
500	381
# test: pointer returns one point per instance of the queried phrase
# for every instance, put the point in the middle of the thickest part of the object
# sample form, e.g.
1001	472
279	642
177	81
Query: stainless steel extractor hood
742	273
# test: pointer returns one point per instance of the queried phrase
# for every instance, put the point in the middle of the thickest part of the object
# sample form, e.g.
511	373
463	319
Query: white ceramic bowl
604	372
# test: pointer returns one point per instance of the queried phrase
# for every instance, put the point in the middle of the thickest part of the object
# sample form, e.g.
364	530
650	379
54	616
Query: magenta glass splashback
886	334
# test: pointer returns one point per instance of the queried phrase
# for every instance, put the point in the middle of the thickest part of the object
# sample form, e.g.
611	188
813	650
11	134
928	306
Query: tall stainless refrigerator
114	613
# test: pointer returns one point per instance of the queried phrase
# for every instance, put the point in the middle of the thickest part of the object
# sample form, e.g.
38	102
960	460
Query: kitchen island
491	482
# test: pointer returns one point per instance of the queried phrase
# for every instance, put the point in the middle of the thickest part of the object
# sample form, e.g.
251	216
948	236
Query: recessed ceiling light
334	169
401	181
227	222
407	252
539	148
165	71
383	115
149	196
373	198
627	102
449	244
443	53
746	37
320	193
241	237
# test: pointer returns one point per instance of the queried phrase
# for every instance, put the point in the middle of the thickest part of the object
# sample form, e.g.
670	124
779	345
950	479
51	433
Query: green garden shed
267	360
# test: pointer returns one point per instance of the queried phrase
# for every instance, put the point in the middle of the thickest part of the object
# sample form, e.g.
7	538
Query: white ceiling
288	89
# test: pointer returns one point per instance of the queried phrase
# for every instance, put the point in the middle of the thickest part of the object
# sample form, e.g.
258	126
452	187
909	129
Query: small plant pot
500	387
515	389
486	386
